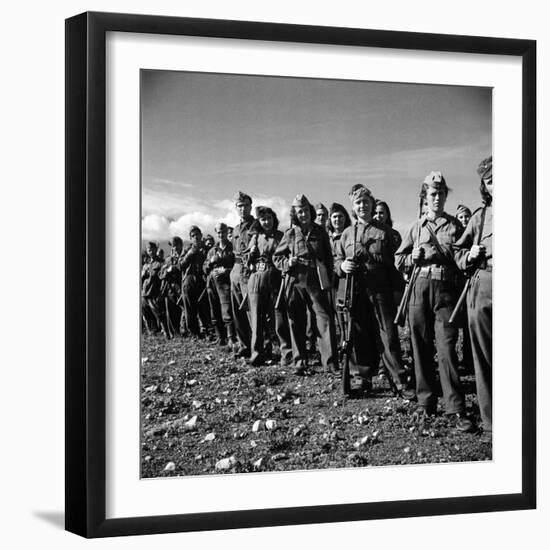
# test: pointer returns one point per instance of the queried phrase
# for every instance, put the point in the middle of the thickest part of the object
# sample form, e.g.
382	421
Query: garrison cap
461	208
300	200
358	191
241	197
435	178
220	226
263	210
485	168
194	229
175	241
153	244
337	207
321	206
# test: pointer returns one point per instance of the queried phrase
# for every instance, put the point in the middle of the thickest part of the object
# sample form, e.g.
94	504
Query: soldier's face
151	251
464	218
176	249
321	217
196	238
380	214
243	209
303	215
363	208
436	197
222	235
266	222
337	221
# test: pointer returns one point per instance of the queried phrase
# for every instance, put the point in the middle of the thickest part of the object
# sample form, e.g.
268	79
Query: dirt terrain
204	412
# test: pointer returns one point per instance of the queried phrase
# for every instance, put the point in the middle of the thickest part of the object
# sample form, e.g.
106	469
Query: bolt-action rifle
471	275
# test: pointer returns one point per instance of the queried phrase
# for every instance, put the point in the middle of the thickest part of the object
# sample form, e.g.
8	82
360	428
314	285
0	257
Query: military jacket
191	261
373	246
225	258
170	276
241	238
150	281
475	233
447	230
309	248
261	247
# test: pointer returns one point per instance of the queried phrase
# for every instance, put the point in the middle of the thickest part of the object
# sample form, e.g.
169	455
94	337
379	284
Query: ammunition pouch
439	273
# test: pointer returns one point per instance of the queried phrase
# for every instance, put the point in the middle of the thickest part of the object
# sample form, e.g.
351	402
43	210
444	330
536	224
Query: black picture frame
86	275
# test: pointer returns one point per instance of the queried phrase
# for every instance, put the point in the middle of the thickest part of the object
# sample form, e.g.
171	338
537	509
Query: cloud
161	227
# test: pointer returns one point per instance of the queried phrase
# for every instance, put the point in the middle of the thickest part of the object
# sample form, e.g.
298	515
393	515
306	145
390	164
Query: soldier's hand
417	255
349	265
477	252
429	252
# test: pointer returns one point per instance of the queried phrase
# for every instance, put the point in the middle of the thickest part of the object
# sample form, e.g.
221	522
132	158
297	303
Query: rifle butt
460	302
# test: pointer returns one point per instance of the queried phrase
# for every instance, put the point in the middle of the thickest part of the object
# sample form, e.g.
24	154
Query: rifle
282	289
401	314
468	283
347	321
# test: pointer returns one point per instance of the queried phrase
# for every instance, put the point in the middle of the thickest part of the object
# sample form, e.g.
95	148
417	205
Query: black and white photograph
316	273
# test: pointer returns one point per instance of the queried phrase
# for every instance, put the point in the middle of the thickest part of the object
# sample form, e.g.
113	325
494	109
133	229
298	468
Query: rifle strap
482	225
436	243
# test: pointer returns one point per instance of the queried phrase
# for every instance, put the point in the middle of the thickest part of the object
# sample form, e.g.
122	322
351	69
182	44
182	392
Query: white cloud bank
160	227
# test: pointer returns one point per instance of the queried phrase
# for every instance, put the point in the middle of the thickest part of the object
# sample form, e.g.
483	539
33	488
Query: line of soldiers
262	286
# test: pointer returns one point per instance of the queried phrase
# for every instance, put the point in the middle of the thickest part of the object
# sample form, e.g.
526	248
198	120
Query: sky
206	136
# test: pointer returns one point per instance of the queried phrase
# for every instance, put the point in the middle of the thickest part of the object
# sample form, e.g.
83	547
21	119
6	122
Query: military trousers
299	296
219	297
239	288
191	290
375	334
263	287
430	307
480	319
153	314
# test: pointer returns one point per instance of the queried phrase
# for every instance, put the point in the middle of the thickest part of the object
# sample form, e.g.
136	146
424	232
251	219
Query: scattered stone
270	424
258	463
279	456
297	401
170	467
150	389
226	463
253	444
171	362
257	426
144	359
407	450
192	382
147	458
419	453
210	437
191	423
218	400
208	357
197	404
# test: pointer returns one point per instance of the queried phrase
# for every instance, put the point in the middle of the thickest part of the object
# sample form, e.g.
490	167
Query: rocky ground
204	412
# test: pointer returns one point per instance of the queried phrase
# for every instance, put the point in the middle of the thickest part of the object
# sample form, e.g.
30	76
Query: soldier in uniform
463	215
338	220
304	256
192	285
263	286
366	249
217	266
428	246
209	242
474	254
152	307
170	276
321	215
239	275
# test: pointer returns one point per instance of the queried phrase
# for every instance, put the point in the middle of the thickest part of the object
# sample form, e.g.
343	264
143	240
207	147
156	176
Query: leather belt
438	273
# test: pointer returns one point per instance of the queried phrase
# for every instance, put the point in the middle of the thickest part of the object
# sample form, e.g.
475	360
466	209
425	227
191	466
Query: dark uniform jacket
241	238
374	250
471	236
261	247
447	230
150	281
191	261
225	259
308	248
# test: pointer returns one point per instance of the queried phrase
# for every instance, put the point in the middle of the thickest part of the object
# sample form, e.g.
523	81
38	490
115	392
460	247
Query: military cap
337	207
485	168
435	178
358	191
241	197
153	244
263	210
300	200
220	226
321	206
175	241
194	229
461	208
209	237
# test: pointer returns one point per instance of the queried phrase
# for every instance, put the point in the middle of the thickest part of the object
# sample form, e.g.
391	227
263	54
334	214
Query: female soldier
338	220
263	286
428	247
474	253
304	257
217	266
366	250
